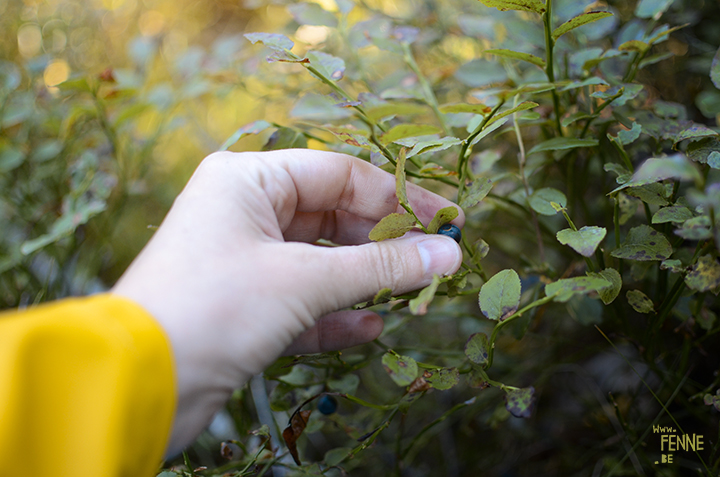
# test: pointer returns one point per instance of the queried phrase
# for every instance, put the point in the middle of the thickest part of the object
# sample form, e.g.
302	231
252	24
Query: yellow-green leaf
578	21
634	45
392	226
608	295
476	191
500	296
408	130
400	180
644	243
465	108
477	348
640	301
383	296
402	369
419	304
442	216
516	55
443	378
520	107
584	241
565	288
537	6
704	275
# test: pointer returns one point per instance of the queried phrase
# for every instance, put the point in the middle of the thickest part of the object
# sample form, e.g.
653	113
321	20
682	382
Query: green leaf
575	117
537	6
651	8
348	384
336	456
585	310
383	296
384	110
697	228
442	216
578	21
353	137
565	288
629	136
400	179
253	128
661	33
592	81
443	378
480	249
433	145
651	194
675	214
638	46
329	66
271	40
715	70
465	108
608	295
640	301
10	158
562	143
704	275
623	175
285	138
516	55
419	304
317	107
65	225
477	348
312	14
653	170
402	369
519	402
584	241
627	92
392	226
430	169
403	131
476	191
694	132
702	151
487	130
674	266
520	107
644	243
540	200
500	296
476	379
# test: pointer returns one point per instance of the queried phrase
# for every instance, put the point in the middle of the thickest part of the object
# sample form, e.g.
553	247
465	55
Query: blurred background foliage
107	106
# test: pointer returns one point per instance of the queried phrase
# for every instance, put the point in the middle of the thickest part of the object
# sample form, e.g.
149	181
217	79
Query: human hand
233	278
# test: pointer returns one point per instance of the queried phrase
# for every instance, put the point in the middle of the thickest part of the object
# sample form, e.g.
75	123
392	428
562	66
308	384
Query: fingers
327	181
337	331
337	226
338	277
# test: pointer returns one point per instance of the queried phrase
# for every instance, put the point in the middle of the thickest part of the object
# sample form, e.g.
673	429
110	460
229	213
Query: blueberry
451	231
327	405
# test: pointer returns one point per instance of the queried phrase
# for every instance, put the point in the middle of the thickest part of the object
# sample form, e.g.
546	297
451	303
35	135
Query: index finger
326	181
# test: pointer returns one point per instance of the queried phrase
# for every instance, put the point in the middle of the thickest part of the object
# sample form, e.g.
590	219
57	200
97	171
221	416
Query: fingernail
440	255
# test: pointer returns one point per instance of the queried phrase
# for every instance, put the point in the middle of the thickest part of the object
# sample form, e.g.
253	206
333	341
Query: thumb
356	273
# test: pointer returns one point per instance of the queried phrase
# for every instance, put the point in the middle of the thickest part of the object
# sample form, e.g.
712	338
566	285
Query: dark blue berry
451	231
327	405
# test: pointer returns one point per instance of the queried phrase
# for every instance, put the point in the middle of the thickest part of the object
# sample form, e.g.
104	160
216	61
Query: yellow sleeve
87	388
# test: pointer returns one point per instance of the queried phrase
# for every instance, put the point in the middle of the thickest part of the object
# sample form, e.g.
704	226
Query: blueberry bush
580	138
